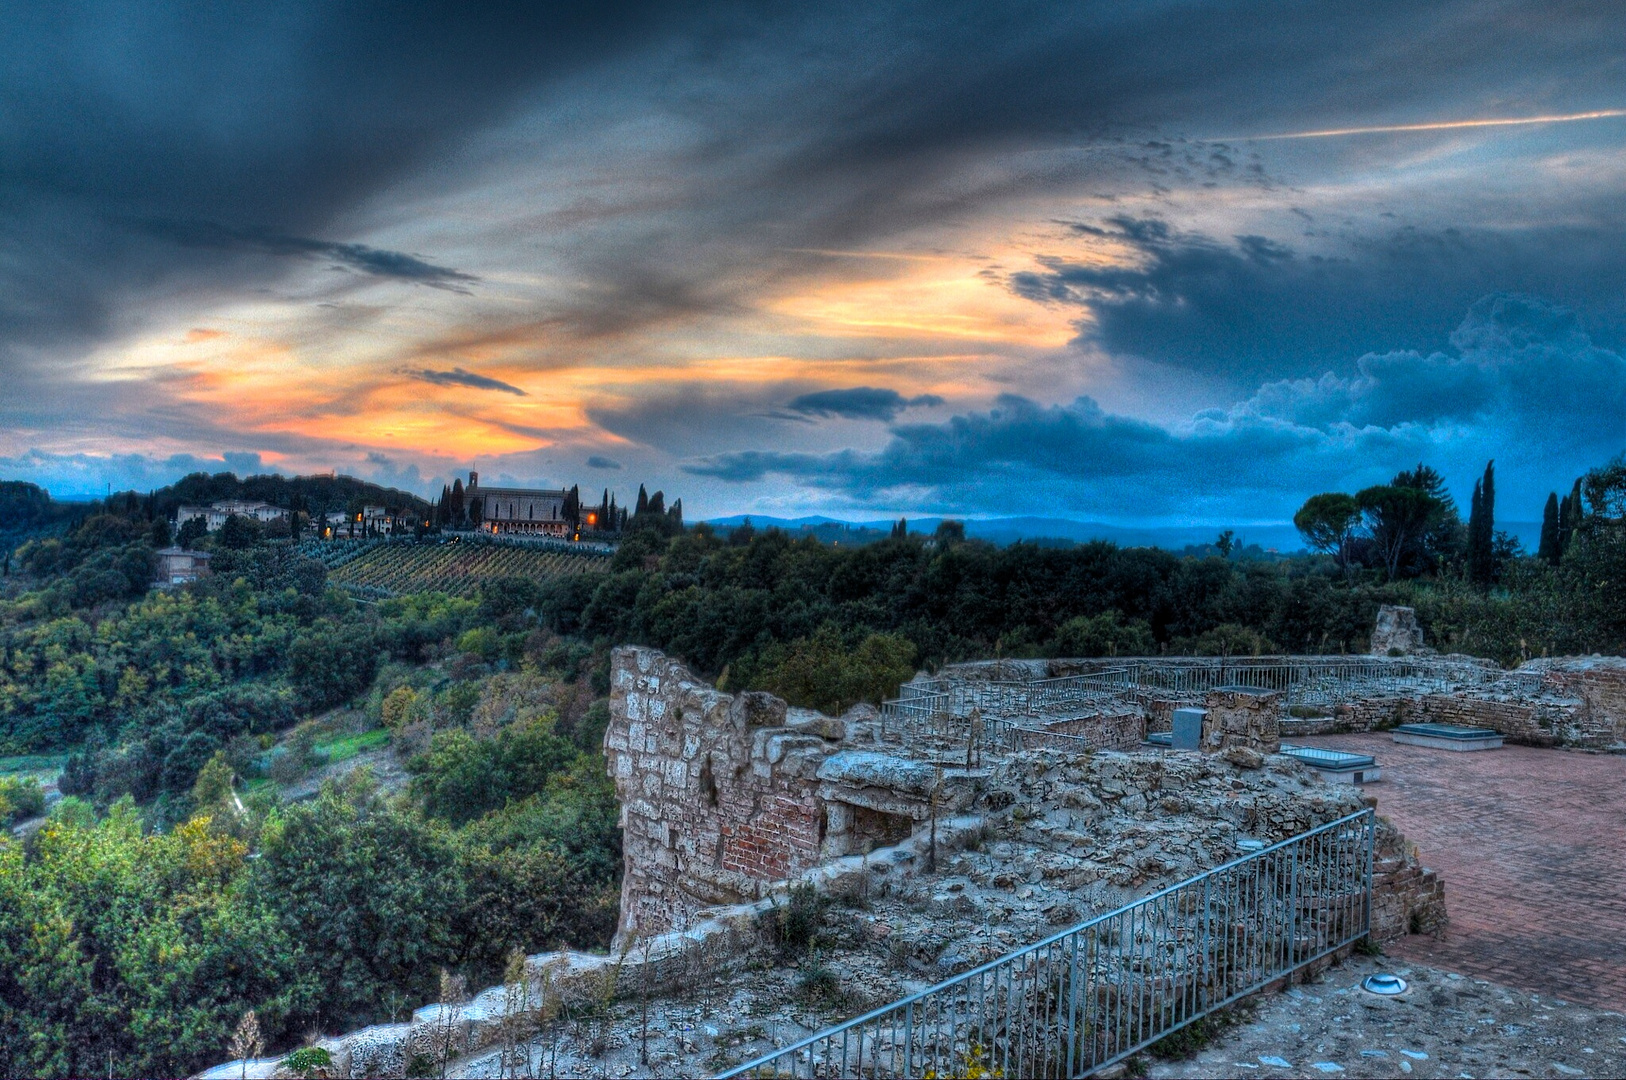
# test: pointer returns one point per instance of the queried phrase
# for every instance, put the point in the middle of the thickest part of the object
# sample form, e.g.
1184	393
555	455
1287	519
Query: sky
1156	263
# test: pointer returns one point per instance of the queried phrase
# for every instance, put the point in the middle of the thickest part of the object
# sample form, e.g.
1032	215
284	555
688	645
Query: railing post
909	1039
1370	830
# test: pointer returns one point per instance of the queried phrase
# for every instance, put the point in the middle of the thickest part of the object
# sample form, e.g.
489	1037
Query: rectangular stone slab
1448	737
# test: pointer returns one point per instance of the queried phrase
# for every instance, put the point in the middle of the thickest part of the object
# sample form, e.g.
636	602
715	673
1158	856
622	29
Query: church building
534	511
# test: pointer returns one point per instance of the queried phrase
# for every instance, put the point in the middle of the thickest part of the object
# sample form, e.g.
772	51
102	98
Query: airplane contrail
1440	125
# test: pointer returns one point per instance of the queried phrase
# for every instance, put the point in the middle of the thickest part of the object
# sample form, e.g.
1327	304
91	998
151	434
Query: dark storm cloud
817	127
272	123
379	263
858	403
1254	307
1517	364
459	377
686	420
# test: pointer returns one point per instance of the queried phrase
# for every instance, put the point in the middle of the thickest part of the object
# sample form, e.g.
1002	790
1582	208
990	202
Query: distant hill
1281	538
27	509
1002	531
25	506
310	493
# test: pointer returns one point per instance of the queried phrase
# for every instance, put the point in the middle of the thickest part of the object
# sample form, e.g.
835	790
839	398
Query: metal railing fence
965	717
1093	995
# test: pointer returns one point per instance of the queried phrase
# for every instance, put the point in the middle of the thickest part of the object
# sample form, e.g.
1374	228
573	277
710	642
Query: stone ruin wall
1396	632
717	796
1407	897
1242	720
723	795
1581	702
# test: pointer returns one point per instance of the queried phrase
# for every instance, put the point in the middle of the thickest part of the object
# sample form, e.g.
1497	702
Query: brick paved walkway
1532	846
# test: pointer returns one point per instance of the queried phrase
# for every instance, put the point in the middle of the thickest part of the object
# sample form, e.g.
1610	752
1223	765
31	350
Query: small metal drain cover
1384	984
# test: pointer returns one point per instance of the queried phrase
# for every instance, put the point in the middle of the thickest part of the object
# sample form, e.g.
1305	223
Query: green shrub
309	1061
795	926
21	798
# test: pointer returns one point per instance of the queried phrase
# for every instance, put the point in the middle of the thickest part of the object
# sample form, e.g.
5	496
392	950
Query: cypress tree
1569	518
1482	528
1549	550
1476	508
642	506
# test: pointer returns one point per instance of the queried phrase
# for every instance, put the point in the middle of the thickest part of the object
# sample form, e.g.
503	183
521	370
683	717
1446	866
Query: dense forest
186	877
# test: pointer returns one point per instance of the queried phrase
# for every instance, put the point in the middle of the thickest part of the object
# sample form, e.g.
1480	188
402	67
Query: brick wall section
781	837
717	798
1407	897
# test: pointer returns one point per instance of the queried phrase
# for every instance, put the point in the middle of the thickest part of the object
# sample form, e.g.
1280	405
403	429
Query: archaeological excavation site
1028	868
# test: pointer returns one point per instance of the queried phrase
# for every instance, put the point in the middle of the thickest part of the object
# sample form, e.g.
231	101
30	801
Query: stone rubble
1445	1025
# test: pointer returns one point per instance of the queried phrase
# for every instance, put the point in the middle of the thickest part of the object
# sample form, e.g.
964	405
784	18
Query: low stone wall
1531	722
1598	684
1571	701
1109	731
580	984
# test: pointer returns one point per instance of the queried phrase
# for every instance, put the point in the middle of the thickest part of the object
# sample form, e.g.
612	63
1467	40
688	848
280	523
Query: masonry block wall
1598	685
717	796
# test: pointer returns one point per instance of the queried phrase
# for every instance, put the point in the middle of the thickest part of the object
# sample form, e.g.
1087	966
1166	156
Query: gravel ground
1445	1025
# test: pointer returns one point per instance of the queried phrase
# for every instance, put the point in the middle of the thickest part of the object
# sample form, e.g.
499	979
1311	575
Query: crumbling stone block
1242	717
1397	632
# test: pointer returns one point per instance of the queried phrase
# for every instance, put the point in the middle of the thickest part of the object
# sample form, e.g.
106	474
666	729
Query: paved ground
1532	846
1445	1025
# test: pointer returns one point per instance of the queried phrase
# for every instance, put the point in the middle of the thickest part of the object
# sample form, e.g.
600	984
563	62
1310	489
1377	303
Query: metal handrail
1092	995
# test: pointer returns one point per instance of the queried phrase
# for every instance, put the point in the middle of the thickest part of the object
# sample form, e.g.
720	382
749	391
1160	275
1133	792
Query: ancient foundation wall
1598	683
1531	721
1110	731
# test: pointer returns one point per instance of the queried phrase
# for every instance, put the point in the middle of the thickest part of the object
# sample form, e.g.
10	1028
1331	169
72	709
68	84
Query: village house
215	515
177	566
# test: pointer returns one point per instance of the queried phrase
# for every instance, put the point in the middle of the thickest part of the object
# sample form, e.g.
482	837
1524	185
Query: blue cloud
597	461
858	403
375	261
458	377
